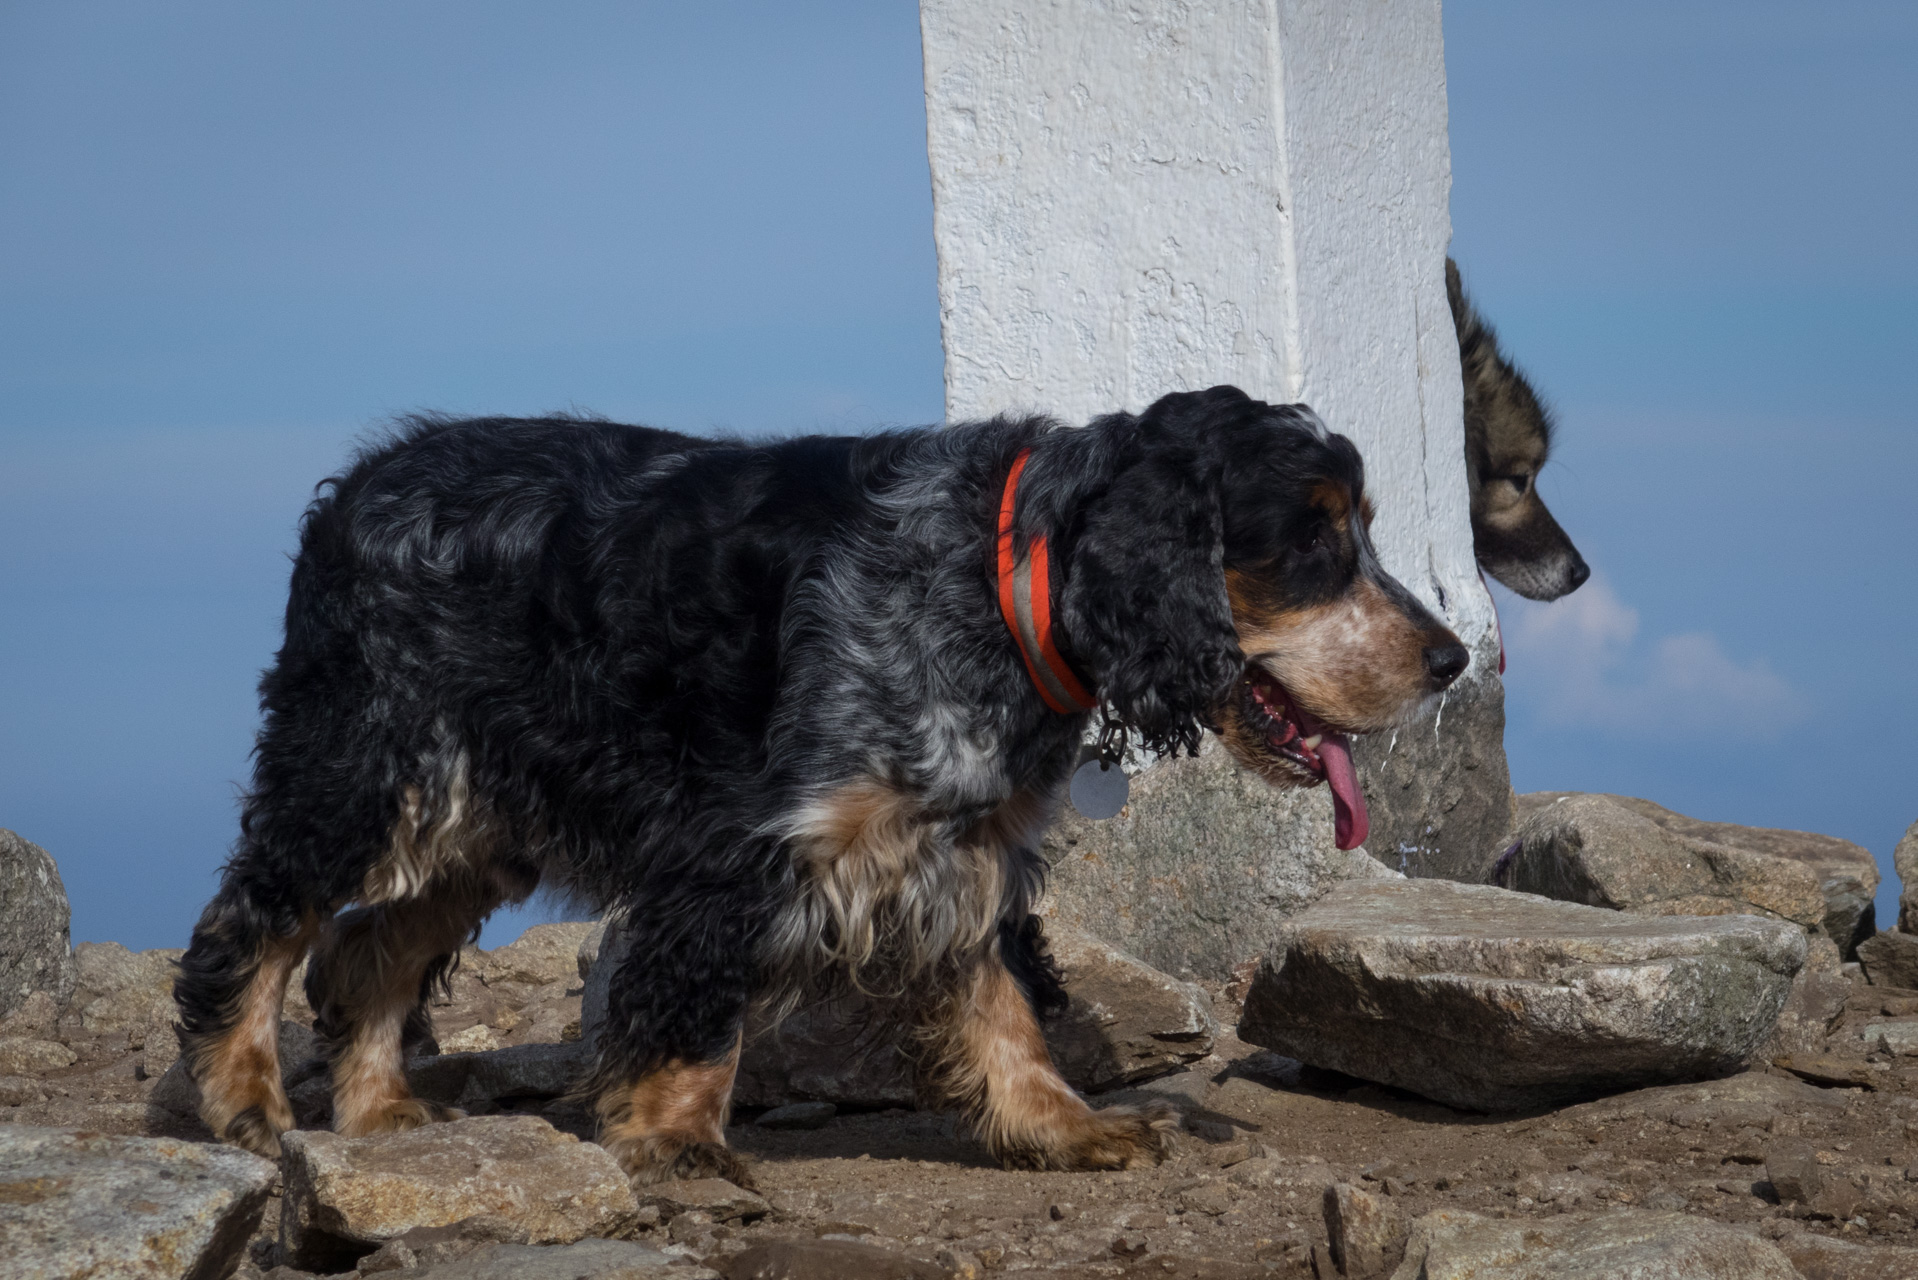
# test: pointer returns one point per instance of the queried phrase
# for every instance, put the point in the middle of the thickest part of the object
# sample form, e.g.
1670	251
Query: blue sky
233	238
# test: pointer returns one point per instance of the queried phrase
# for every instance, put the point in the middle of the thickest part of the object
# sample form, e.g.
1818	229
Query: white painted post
1136	198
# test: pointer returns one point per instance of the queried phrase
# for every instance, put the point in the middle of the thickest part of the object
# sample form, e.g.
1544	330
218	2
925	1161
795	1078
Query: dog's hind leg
368	984
981	1049
670	1046
230	991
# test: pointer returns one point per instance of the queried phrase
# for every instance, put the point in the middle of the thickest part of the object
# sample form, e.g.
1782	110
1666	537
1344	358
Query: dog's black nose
1443	662
1577	574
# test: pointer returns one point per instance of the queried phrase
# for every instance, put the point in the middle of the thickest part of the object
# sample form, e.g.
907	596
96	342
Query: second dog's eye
1520	483
1308	540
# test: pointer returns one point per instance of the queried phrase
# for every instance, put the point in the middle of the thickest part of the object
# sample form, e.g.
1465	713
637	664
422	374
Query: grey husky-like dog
1508	438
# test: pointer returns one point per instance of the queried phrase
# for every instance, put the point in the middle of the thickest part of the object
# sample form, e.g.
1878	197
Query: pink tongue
1350	824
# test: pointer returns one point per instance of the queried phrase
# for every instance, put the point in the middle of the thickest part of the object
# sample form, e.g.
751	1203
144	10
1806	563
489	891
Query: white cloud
1577	661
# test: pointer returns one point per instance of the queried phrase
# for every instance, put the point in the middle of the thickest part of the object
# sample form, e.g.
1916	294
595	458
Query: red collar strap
1025	598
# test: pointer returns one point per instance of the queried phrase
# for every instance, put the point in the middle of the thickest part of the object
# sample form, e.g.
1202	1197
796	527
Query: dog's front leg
670	1122
986	1054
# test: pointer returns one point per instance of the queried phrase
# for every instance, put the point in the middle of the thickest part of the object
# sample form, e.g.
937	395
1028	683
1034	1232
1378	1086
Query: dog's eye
1308	540
1520	483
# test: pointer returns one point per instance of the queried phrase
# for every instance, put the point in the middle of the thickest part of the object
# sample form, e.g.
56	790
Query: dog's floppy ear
1144	604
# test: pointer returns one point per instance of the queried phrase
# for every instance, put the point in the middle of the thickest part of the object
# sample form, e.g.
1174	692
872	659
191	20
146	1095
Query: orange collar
1025	598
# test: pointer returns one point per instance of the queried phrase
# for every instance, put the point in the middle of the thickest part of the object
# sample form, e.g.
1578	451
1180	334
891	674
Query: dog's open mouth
1295	734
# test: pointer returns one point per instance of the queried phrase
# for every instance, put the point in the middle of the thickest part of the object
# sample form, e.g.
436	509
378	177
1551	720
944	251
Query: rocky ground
1805	1163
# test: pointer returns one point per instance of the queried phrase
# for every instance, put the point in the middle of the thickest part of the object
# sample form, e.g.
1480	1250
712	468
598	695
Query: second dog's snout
1443	662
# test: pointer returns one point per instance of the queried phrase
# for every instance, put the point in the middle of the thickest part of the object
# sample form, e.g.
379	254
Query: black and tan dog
1508	439
800	708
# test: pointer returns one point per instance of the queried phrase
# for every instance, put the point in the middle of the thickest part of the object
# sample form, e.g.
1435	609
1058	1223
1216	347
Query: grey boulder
1890	959
1201	865
1439	790
117	990
75	1203
1905	860
34	948
345	1196
1451	1244
1491	1000
1814	1007
1600	851
1847	874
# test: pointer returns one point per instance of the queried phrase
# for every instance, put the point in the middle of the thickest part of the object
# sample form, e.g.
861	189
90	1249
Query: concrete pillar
1135	198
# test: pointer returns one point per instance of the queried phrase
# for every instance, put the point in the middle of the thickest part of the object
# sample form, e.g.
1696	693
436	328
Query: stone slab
79	1204
344	1196
1481	998
1454	1245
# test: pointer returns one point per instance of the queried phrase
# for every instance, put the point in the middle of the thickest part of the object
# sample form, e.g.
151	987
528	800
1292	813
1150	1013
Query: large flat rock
34	951
1199	868
345	1196
78	1204
1486	999
1623	1243
1847	874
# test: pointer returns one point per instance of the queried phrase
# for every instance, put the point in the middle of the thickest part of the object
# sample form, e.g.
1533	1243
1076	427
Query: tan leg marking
992	1060
373	960
242	1098
671	1123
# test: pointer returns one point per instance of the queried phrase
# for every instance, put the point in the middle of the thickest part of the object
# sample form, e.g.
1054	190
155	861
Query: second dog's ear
1144	604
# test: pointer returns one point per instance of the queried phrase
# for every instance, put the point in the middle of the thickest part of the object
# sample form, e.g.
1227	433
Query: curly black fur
634	656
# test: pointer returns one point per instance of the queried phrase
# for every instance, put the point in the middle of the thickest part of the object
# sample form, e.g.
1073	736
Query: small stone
798	1115
1898	1038
34	1018
1890	959
475	1039
1825	1070
1366	1232
1795	1172
23	1057
1208	1198
720	1200
18	1091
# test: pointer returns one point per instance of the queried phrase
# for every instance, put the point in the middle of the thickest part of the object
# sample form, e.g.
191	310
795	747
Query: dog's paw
253	1131
667	1157
397	1116
1115	1138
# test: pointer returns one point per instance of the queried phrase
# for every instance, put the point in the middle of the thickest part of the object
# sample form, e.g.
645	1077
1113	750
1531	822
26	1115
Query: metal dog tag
1099	790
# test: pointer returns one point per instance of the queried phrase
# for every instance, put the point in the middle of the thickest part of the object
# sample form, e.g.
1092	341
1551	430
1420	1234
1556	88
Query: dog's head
1226	577
1508	438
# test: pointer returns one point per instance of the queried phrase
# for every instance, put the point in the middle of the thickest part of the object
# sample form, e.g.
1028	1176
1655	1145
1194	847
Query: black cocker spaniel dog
801	709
